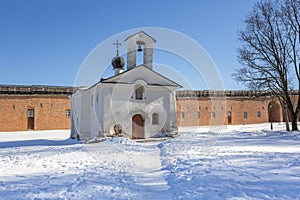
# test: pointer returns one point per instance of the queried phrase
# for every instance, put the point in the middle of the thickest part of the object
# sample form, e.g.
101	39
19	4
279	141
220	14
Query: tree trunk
286	119
285	115
293	114
294	121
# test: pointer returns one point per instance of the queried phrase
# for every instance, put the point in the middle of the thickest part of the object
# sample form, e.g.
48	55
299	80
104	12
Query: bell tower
134	45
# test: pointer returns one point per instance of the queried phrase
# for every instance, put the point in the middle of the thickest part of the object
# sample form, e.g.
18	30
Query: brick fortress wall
194	108
49	104
204	108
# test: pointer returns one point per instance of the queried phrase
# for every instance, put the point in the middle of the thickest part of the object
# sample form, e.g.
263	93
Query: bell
139	48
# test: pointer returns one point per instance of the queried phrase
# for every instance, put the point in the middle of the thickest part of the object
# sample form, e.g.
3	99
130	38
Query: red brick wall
50	112
221	106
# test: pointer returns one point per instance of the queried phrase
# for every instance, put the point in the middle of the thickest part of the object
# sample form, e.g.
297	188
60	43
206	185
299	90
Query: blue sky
44	42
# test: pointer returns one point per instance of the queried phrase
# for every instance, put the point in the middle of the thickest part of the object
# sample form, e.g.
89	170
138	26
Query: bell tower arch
134	44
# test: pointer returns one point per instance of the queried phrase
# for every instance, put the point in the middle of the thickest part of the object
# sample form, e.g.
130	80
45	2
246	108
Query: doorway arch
138	129
274	110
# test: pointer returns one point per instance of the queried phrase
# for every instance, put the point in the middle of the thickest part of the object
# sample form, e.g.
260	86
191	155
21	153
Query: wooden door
138	127
30	119
229	118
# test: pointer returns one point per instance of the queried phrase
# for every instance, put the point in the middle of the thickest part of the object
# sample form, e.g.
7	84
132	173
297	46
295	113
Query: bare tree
270	52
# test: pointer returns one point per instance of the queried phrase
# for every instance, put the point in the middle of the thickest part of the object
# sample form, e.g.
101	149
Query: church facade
138	103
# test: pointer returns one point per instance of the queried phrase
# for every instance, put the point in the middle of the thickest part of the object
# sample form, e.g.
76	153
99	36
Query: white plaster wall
131	53
156	99
148	55
173	117
99	109
117	104
94	126
131	43
76	113
106	110
85	130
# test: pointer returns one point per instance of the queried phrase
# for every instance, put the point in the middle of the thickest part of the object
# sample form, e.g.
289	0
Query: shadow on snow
41	142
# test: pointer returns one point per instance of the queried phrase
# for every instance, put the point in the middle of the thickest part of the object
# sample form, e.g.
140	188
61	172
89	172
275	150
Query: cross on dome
117	45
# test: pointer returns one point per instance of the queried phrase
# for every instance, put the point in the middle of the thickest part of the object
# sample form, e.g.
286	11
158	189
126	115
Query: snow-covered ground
231	162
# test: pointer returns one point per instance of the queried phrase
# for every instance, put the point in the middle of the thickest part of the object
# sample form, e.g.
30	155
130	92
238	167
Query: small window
139	93
68	113
245	115
155	118
182	115
258	114
30	113
198	115
213	115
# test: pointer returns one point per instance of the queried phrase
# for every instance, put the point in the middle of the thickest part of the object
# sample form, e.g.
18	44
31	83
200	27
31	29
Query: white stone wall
131	44
117	105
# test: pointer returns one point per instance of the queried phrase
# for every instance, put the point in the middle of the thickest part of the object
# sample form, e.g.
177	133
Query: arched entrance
229	118
138	127
274	110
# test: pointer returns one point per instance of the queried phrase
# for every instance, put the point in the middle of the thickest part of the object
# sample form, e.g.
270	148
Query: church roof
119	78
141	33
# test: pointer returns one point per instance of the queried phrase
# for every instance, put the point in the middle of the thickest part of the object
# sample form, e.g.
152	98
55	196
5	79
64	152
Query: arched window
139	92
140	53
155	118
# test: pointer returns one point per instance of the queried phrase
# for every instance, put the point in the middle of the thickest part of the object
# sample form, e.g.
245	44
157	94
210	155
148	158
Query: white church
137	103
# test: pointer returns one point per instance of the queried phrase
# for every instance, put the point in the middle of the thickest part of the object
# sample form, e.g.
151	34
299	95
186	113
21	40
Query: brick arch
274	111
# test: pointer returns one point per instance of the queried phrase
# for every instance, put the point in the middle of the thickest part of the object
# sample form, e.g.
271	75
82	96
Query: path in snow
33	167
136	161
